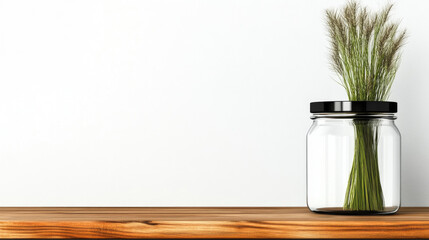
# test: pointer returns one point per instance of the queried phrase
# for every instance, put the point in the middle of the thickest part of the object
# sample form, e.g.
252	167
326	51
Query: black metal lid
354	107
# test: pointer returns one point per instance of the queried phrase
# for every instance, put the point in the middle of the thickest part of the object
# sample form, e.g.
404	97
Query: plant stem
364	192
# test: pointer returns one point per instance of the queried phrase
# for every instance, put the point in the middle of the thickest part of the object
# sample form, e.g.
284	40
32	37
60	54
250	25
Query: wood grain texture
206	223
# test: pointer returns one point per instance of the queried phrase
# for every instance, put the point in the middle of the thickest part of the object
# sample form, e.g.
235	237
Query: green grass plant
365	53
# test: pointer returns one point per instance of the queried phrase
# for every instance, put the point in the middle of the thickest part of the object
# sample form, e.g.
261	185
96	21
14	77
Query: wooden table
206	223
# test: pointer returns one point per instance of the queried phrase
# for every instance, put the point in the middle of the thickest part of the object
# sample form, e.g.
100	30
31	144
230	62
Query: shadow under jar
353	158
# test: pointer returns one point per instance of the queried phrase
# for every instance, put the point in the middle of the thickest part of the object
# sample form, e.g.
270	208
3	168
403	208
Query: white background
180	103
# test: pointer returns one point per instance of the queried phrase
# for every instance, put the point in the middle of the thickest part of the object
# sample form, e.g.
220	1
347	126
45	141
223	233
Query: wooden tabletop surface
197	222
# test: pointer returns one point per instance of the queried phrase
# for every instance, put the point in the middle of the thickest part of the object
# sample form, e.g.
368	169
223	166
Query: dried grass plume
365	50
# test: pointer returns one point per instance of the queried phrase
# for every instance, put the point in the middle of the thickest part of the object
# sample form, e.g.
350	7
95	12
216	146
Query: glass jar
353	158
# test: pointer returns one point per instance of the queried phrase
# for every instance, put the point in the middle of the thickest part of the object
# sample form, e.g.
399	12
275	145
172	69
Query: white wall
179	103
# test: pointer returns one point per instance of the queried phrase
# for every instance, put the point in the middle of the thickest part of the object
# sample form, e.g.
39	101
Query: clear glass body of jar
353	163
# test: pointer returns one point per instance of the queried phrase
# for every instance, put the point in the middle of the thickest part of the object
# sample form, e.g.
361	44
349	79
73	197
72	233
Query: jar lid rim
353	107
